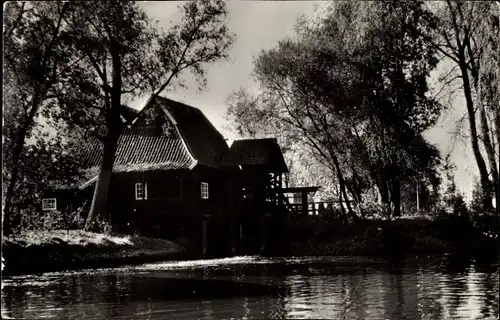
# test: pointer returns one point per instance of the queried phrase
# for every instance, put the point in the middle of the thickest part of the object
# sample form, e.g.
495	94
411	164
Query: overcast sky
258	26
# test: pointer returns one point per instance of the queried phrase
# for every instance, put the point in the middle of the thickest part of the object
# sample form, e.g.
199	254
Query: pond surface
423	287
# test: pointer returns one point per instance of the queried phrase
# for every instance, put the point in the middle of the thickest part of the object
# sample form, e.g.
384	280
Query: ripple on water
253	287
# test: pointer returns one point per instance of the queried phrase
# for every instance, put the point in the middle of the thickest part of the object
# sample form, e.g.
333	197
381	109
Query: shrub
35	220
486	222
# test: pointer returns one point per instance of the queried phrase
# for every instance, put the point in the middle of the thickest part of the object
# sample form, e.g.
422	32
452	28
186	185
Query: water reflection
419	288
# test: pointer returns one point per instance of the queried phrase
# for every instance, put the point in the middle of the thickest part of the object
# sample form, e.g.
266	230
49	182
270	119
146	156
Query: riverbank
35	252
315	237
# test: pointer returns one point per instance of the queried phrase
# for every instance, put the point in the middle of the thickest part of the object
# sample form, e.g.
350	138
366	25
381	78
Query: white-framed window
49	204
141	191
204	190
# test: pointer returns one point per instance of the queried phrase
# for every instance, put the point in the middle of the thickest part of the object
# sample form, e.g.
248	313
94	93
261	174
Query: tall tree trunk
483	172
384	196
384	172
342	209
342	185
395	181
347	201
355	190
497	185
115	126
490	152
7	223
99	200
357	199
396	196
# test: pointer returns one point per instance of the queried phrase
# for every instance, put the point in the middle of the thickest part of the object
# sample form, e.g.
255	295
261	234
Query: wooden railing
314	208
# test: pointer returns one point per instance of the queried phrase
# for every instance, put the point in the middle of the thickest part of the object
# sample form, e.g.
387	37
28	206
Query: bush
373	210
486	222
34	220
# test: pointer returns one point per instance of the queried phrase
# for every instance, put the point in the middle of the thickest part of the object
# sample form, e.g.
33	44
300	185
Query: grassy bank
312	236
34	252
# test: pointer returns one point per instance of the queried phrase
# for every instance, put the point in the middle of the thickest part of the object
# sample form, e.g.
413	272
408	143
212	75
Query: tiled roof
264	152
202	139
147	144
143	149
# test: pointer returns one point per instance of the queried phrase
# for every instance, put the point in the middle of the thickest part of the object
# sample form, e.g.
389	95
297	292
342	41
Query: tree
34	60
124	55
245	117
46	163
488	91
468	36
248	119
454	203
353	89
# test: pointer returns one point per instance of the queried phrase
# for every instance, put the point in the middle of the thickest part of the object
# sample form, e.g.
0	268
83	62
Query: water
443	287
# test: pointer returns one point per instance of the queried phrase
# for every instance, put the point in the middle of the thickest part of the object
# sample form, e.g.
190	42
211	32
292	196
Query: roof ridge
263	151
256	139
182	103
144	130
177	111
149	105
146	126
180	134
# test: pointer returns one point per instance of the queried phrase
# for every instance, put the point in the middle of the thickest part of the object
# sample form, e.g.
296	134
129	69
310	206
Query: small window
204	190
49	204
141	191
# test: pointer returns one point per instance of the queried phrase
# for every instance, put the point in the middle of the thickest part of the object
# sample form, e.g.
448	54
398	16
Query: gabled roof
203	140
164	135
262	152
143	149
129	114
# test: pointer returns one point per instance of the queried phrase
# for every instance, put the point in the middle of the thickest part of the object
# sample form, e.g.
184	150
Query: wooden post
241	232
280	192
262	234
204	235
321	209
276	189
233	235
418	196
304	203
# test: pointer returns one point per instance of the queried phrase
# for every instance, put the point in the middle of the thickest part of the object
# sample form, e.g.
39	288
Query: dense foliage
78	62
351	87
34	158
467	36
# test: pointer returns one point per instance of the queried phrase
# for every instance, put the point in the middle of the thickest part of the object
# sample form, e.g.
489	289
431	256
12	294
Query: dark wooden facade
168	192
174	204
68	199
